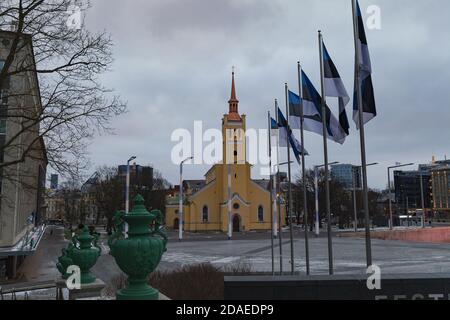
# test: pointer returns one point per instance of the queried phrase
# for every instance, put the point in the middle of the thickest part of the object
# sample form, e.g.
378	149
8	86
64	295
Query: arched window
205	214
260	214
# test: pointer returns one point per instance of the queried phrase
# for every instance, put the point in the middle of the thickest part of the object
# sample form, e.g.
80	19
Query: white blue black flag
297	147
365	66
334	87
312	111
287	134
282	129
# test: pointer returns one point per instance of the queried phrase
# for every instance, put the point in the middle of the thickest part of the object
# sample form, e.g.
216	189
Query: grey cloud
173	61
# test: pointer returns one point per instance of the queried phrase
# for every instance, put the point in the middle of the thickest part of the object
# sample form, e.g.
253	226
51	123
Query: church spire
233	113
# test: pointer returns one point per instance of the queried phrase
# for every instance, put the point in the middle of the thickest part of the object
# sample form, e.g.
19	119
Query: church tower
233	131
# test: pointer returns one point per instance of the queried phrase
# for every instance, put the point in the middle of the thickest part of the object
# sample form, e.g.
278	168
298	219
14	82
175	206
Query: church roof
262	183
194	185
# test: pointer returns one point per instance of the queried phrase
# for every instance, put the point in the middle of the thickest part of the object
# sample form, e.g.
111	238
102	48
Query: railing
26	288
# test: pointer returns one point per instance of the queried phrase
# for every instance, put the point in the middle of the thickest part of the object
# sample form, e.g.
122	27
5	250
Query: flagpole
280	240
271	192
362	138
325	153
230	230
289	202
302	138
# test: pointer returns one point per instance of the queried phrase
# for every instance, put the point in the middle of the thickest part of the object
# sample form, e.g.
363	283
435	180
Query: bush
192	282
68	234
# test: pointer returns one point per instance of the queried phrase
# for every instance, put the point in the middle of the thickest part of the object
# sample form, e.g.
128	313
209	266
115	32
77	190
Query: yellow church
206	204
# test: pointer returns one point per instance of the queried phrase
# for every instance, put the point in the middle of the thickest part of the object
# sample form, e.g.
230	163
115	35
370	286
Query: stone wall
428	235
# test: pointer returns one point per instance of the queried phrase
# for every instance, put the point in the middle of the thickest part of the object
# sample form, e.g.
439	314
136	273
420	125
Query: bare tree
340	201
108	193
68	63
156	197
71	197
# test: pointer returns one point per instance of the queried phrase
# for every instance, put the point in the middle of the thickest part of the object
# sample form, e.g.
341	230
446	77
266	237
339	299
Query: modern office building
141	177
348	175
22	183
408	190
440	181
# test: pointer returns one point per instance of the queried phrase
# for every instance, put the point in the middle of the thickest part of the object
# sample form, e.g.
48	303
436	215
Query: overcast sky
173	62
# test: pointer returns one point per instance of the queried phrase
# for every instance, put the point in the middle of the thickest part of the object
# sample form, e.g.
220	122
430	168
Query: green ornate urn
65	261
139	254
83	252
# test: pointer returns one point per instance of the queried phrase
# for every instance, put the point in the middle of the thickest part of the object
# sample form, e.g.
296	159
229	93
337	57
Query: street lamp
422	199
127	191
127	187
391	222
354	194
279	220
316	189
284	186
180	223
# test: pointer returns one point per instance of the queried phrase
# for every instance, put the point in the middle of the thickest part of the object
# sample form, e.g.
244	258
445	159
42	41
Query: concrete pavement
254	249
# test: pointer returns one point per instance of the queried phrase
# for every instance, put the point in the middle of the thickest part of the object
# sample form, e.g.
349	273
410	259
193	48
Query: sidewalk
42	265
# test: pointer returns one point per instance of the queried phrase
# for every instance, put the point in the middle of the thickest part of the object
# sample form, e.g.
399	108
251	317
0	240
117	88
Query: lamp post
180	223
280	229
127	187
391	222
422	199
316	192
355	212
127	191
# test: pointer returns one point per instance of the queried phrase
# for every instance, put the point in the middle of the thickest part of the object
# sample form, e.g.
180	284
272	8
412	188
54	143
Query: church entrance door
236	223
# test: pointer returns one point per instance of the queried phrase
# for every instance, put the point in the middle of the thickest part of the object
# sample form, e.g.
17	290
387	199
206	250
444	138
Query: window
2	127
205	214
260	214
6	81
3	97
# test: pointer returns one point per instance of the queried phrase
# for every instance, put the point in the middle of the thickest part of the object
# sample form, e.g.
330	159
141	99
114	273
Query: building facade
440	180
54	202
206	201
141	178
408	189
348	175
22	181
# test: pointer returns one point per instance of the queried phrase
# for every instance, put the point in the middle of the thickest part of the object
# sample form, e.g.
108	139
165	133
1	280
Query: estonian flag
282	130
334	87
296	147
287	134
273	126
312	111
365	66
